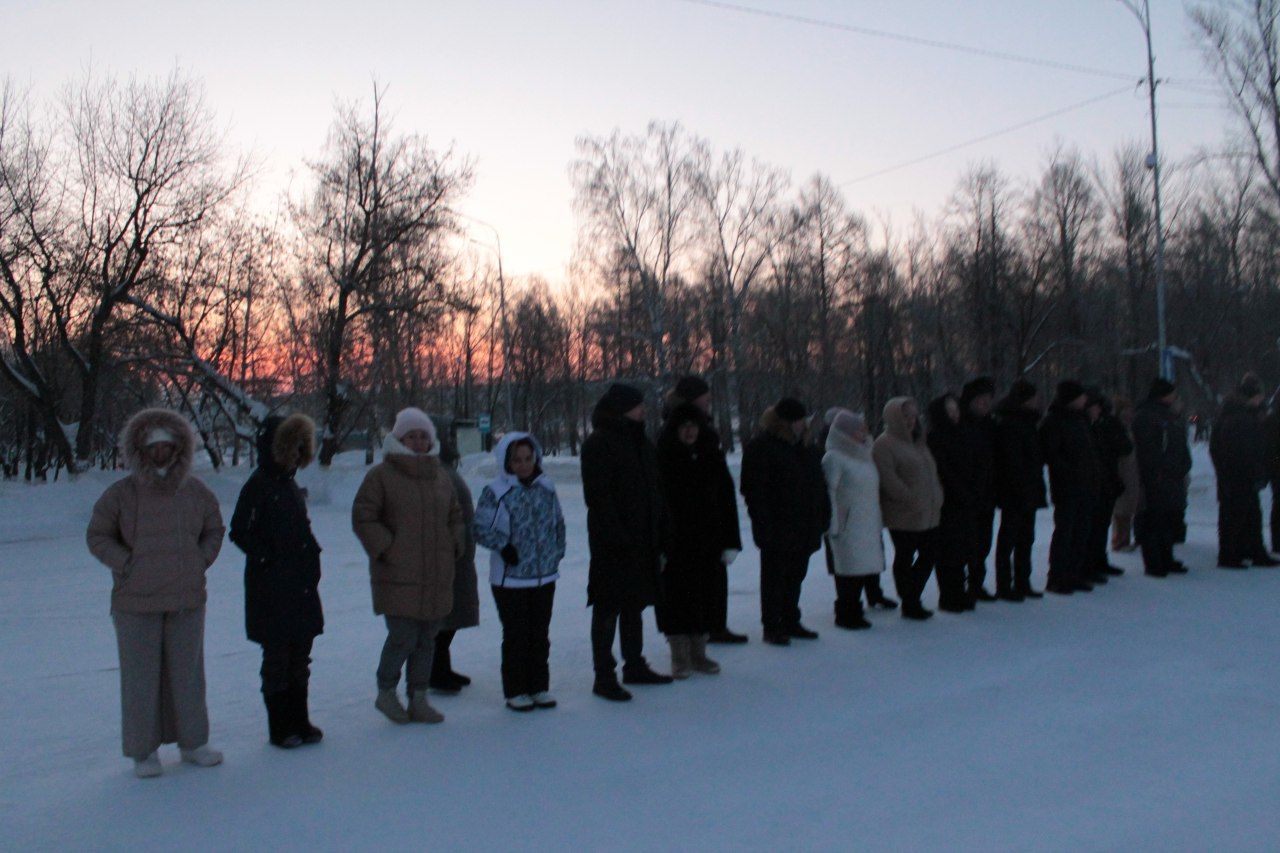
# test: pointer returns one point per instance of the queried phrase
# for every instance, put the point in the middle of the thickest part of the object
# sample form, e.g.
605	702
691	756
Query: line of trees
139	264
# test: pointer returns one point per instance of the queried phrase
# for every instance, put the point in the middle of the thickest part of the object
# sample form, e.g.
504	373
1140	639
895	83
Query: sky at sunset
511	84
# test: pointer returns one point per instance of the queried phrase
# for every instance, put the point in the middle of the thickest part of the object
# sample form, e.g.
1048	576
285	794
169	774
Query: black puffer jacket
1019	467
1070	454
1238	448
626	521
960	473
270	524
1112	443
785	490
1164	460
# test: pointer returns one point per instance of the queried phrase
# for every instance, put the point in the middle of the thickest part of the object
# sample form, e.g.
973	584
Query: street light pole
502	303
1143	14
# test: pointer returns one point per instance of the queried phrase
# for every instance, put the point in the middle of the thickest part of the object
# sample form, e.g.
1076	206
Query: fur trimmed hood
895	422
772	424
134	436
287	443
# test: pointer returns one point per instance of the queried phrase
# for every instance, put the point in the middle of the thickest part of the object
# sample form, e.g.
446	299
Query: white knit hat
159	435
411	419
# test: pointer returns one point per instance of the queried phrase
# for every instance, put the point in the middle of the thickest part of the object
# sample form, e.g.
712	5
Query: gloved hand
729	555
510	555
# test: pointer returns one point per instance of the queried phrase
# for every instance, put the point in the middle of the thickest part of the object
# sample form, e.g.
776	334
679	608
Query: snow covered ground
1145	715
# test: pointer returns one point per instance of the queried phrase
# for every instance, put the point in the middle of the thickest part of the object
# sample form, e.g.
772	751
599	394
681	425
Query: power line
992	135
916	40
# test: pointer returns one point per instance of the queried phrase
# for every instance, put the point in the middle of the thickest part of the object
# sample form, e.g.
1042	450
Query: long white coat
855	537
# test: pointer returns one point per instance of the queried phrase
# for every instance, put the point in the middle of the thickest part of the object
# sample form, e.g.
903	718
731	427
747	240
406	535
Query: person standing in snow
1127	504
466	596
961	505
855	539
790	510
520	521
1238	448
626	529
695	390
703	512
407	517
1074	483
281	575
159	530
1112	444
978	428
1164	461
1020	489
910	501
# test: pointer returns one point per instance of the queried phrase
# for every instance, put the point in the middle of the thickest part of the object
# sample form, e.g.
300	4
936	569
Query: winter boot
543	700
420	710
607	687
300	716
800	632
849	615
725	637
916	611
281	728
776	638
698	655
681	664
149	767
641	673
202	756
523	704
388	702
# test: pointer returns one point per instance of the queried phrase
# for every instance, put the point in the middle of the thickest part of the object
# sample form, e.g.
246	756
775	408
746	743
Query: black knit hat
691	388
622	398
1250	386
1021	391
1160	388
975	388
1069	391
790	410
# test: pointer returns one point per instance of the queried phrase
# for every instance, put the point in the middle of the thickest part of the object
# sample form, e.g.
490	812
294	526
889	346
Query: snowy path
1146	714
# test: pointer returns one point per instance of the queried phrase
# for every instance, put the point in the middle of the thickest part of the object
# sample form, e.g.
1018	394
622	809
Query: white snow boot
202	756
147	768
521	703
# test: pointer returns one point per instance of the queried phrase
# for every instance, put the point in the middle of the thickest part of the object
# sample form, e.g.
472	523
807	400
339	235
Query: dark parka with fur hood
270	524
626	520
785	489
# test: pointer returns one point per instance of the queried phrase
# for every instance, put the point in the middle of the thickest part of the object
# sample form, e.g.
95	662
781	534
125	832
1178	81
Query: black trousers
1072	522
1013	549
526	646
984	520
718	601
914	554
1159	532
871	585
1239	525
1096	556
849	594
285	666
605	622
442	661
781	575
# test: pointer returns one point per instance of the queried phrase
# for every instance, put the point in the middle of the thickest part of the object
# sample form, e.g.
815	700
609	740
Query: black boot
915	610
641	673
725	637
300	715
279	726
607	687
443	678
849	615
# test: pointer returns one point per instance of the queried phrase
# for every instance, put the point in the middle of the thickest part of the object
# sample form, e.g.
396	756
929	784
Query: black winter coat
980	440
626	522
1238	447
959	472
1069	452
282	557
1019	466
1271	434
1111	441
1164	460
702	507
785	489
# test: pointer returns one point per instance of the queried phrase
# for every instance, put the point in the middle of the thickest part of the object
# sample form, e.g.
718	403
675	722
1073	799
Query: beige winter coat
157	534
910	492
407	516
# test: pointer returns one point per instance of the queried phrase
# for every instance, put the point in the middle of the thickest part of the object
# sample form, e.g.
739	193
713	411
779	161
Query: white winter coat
855	538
